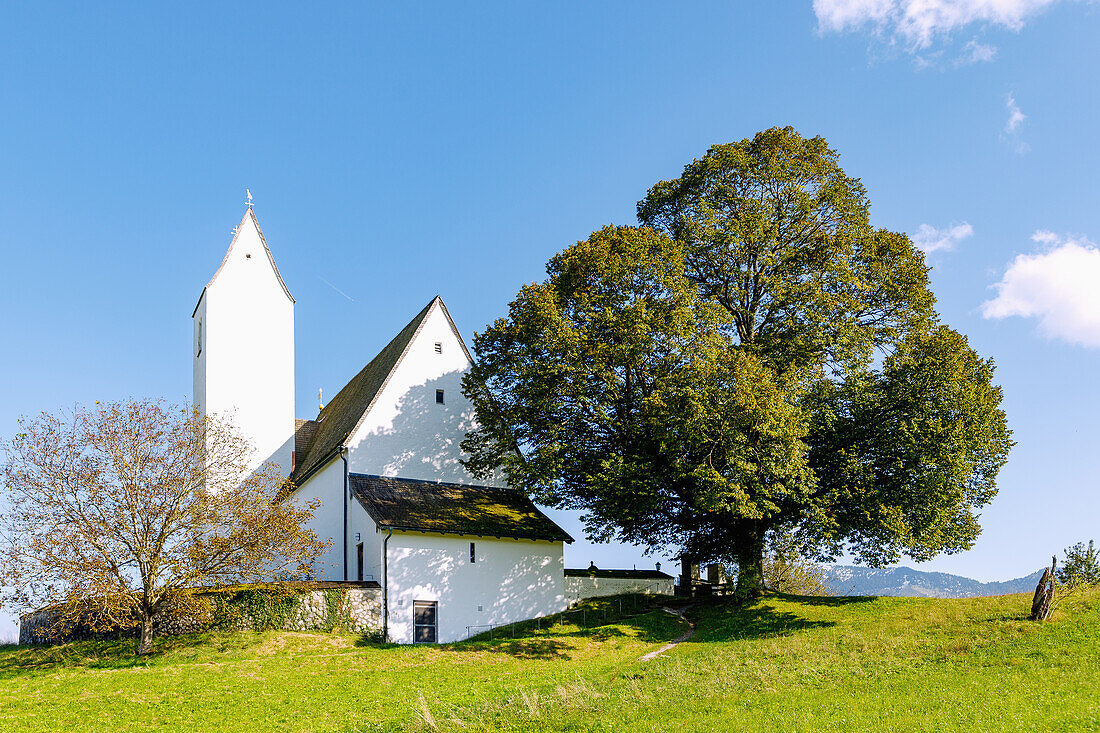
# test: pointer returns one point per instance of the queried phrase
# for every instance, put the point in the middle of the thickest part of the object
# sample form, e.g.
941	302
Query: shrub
1081	566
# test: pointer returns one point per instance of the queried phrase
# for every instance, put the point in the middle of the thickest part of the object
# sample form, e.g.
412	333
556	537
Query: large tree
110	514
756	358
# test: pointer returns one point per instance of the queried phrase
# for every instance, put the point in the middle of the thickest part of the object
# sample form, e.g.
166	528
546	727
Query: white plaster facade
243	347
412	429
407	432
511	580
577	588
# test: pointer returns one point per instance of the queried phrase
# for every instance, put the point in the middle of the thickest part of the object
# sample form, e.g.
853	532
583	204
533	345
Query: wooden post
1042	604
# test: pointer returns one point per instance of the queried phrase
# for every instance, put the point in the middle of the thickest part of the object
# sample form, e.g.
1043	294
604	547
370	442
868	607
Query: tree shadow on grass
724	620
550	639
117	653
527	648
829	601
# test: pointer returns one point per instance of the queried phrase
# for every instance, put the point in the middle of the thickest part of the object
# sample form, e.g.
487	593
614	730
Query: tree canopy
114	512
755	357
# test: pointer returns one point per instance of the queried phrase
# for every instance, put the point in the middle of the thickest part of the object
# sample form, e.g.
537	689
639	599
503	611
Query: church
449	553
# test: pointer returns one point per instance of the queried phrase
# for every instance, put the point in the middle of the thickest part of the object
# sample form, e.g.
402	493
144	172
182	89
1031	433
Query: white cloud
1015	116
917	23
1011	132
929	239
976	53
1057	286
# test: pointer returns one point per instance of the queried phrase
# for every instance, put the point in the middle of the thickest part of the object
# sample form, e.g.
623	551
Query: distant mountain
849	580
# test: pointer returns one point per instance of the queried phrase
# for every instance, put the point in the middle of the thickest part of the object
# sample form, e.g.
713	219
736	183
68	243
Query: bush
1081	566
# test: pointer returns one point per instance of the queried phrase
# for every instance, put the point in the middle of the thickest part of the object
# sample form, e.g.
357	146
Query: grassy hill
784	664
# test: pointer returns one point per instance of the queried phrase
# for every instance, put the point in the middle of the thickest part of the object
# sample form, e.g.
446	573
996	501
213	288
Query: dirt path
683	637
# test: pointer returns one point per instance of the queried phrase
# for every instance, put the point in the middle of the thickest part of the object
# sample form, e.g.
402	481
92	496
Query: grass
786	663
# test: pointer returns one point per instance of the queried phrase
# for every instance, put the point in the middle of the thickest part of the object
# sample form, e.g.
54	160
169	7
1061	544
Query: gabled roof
248	218
341	417
623	574
303	436
428	506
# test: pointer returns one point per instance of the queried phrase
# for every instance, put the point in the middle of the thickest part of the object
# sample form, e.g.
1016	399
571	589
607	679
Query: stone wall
325	606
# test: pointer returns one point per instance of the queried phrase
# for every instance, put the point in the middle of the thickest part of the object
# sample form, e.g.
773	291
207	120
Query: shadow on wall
511	582
424	438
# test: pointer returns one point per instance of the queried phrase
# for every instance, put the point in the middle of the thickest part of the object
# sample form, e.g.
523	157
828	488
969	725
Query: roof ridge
371	382
232	242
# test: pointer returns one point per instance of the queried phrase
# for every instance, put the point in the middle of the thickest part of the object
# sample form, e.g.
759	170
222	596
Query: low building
593	582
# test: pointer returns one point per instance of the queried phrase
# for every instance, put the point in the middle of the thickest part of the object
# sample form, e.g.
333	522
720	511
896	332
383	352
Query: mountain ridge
852	580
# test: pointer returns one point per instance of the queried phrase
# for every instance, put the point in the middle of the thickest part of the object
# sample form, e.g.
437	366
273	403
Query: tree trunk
145	643
750	566
1042	604
689	574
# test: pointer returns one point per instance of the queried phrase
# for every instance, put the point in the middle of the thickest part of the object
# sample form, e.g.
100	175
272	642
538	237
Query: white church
382	457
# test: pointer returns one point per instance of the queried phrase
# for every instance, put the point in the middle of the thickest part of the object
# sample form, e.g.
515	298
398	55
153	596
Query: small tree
786	569
113	512
1081	566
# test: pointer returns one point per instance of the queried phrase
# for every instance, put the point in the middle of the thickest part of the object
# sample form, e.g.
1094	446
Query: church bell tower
243	347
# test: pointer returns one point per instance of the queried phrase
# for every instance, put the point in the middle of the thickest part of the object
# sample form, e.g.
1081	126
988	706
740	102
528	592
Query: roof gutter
386	586
523	538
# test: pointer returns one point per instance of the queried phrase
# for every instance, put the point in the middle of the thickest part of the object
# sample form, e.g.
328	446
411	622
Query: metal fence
598	615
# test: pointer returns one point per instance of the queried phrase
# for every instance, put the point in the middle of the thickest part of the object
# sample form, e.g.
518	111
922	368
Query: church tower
243	347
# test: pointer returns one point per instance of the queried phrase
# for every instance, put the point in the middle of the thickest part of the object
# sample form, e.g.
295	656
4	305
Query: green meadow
785	663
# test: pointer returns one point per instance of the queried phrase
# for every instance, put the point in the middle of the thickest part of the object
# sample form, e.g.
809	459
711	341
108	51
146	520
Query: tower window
473	557
198	339
439	347
439	396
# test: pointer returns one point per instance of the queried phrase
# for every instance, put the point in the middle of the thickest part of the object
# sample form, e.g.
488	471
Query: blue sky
397	152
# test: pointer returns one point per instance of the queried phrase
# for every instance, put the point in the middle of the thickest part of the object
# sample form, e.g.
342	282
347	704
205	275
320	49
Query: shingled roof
303	436
623	574
339	418
428	506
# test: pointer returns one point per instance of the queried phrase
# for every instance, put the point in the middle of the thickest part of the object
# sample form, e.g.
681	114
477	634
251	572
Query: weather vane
248	194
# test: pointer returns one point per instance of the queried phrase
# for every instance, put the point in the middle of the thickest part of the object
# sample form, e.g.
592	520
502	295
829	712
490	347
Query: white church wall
407	433
360	524
198	354
244	349
511	580
328	519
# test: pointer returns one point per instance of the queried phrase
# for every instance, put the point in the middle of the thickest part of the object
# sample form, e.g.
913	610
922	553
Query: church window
439	347
424	621
359	560
473	557
198	340
439	396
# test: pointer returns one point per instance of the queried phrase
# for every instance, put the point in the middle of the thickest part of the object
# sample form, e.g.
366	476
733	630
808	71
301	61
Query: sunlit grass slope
784	664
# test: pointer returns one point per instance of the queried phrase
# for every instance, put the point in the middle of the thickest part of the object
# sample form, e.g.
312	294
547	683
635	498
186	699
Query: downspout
386	586
344	457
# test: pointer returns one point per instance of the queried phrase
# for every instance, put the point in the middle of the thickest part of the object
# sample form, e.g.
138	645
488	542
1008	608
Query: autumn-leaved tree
756	357
113	512
788	570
